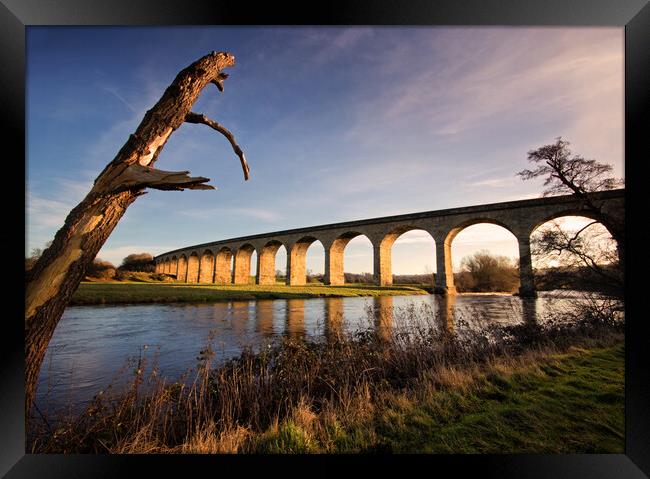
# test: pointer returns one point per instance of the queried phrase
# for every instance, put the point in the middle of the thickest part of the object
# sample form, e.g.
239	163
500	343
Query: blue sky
337	124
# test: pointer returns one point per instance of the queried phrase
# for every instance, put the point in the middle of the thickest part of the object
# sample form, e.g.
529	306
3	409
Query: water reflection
295	318
334	318
91	343
240	315
446	306
264	312
383	312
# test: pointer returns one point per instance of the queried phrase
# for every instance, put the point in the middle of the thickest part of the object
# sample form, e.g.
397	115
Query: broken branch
192	117
219	80
138	176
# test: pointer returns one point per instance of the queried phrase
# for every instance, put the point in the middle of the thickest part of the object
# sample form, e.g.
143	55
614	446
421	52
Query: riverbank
553	388
90	293
543	402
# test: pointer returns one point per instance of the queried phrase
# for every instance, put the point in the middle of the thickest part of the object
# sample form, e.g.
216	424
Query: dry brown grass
301	396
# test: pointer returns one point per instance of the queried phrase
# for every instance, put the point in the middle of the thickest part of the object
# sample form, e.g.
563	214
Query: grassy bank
570	402
557	387
137	292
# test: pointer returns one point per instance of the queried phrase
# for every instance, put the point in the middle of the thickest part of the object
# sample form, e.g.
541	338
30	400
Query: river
94	346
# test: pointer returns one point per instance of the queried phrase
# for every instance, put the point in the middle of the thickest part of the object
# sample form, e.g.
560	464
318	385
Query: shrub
101	269
138	262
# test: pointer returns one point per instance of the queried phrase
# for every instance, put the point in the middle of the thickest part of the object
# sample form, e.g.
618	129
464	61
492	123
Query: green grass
569	403
141	292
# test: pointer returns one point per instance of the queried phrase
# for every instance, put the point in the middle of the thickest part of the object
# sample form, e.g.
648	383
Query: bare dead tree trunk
56	275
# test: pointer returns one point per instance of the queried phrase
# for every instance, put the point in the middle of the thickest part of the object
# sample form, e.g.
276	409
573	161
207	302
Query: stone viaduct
213	262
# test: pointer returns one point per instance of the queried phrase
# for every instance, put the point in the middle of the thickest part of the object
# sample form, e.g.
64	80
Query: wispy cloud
525	75
257	213
329	46
502	182
357	178
46	212
114	91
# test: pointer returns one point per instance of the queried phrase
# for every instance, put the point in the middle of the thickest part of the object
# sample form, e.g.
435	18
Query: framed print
418	252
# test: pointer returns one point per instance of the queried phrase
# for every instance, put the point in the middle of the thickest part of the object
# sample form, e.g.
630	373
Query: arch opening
483	256
315	263
575	252
406	255
281	265
350	260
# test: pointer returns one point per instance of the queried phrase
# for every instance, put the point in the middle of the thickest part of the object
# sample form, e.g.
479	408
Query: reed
351	391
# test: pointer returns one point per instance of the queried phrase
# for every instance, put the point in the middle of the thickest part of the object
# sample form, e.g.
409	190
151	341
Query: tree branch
575	236
192	117
219	80
138	176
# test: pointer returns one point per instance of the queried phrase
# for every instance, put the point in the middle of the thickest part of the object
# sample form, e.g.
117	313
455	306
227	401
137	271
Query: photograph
324	239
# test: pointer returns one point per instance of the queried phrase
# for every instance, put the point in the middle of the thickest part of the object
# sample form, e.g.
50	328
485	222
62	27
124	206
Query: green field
139	292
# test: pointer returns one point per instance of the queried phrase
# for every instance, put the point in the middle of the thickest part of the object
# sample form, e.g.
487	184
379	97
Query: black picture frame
634	15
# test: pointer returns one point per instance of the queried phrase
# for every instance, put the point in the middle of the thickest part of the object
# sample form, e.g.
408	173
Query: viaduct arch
211	262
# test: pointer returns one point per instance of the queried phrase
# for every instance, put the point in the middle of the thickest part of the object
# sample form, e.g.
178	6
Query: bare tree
55	276
487	272
573	174
587	252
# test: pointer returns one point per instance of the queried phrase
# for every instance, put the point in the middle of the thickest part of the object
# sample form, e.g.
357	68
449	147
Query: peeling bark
56	275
